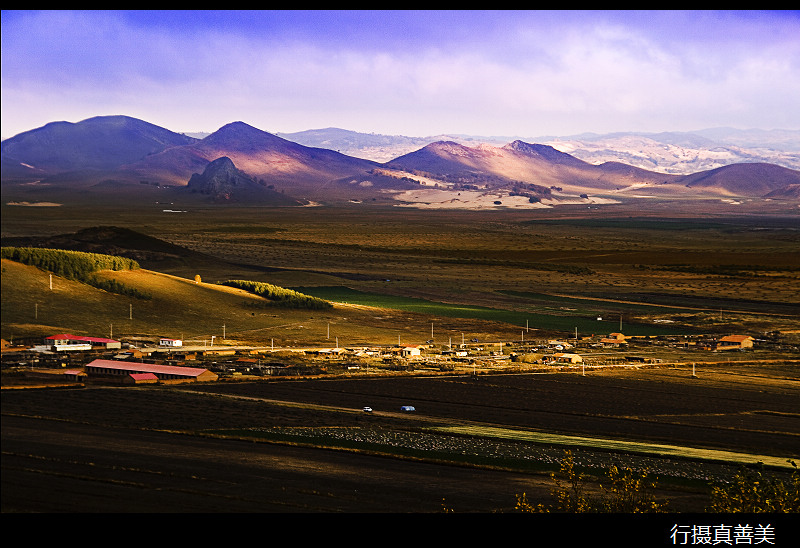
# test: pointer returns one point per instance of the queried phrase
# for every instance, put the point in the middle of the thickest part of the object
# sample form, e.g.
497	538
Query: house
735	342
66	341
408	351
614	340
567	358
112	369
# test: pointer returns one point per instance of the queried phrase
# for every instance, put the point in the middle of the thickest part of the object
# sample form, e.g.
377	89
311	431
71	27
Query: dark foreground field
306	446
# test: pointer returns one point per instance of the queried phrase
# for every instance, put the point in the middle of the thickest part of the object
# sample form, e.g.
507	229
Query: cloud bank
411	73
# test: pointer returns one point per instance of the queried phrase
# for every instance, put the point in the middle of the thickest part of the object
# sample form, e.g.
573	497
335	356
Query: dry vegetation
456	257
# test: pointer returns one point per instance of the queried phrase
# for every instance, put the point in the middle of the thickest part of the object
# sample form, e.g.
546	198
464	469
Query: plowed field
306	446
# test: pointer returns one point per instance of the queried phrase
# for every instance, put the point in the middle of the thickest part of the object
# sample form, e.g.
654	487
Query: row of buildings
125	365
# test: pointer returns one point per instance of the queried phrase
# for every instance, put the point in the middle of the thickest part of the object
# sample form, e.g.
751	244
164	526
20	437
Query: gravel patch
598	461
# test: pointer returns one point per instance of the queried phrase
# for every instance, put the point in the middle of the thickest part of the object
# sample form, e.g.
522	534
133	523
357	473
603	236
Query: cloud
519	73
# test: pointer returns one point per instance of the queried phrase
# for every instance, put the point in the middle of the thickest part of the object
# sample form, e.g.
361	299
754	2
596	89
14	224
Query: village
67	358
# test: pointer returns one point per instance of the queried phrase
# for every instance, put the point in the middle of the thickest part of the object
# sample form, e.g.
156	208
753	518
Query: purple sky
417	73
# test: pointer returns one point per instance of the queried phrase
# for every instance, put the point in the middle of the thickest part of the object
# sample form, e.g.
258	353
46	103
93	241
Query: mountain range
113	155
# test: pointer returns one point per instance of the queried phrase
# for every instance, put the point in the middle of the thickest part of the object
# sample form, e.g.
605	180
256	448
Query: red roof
144	376
67	337
148	368
736	338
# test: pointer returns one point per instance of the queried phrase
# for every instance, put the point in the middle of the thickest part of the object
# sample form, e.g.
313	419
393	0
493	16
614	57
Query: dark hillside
103	143
111	240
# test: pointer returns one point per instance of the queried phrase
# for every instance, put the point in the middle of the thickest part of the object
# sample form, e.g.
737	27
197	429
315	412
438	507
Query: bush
627	492
755	492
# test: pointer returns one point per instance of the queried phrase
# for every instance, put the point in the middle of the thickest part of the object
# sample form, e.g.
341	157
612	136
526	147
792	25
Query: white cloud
528	73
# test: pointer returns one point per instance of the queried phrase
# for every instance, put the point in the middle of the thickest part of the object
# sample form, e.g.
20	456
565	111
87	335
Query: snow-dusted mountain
679	153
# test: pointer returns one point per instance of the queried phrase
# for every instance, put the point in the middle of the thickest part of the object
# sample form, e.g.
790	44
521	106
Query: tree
755	492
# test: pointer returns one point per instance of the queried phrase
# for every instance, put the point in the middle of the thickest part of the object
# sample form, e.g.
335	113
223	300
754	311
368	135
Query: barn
112	369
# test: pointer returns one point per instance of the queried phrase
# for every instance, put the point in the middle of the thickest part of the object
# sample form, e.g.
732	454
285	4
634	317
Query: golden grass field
615	256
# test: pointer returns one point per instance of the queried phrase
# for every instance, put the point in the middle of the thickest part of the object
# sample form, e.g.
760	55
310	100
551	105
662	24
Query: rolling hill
99	143
520	162
112	156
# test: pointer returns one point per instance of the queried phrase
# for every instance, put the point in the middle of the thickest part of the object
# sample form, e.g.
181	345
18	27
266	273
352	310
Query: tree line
288	298
79	266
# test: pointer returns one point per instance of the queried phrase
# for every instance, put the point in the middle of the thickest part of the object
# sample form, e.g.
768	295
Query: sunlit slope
180	308
177	307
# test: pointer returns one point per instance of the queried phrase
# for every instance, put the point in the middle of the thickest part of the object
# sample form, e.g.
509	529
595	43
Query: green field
588	322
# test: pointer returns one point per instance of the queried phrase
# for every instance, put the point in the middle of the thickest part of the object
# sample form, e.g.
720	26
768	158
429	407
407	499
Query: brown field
181	448
303	445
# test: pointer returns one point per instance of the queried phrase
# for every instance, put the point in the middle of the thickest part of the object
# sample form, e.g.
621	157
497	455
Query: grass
660	450
553	321
501	267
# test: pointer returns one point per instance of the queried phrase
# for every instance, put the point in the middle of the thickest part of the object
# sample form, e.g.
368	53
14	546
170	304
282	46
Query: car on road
407	408
367	409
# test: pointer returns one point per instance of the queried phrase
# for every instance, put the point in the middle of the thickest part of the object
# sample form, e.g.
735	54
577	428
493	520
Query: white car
367	409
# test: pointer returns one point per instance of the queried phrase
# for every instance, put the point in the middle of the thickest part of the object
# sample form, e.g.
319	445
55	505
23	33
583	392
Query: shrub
755	492
627	492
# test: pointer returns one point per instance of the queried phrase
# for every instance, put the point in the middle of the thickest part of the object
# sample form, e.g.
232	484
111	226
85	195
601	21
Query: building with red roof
65	340
113	369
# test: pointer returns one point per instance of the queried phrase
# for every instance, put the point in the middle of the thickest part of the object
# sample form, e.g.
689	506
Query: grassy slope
181	308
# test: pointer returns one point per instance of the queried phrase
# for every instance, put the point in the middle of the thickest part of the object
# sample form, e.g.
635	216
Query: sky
414	73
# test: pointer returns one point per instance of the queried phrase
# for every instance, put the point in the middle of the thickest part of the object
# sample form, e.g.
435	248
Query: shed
567	358
140	378
735	342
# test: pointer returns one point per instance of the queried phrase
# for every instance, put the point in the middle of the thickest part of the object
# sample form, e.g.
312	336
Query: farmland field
303	444
309	447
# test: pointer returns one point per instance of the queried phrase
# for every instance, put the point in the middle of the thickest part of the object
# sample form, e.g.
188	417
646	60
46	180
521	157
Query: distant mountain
260	154
222	181
114	156
756	179
100	143
681	153
667	152
520	162
368	146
